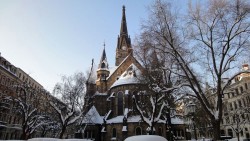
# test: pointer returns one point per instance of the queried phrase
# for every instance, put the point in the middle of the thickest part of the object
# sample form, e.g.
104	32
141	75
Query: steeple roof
103	62
123	29
123	48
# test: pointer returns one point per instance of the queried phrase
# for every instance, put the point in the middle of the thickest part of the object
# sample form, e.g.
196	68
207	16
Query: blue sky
51	38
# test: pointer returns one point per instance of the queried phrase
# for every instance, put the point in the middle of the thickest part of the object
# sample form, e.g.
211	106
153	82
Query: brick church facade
112	114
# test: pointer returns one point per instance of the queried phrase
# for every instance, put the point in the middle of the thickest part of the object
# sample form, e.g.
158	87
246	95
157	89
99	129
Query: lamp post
169	114
192	108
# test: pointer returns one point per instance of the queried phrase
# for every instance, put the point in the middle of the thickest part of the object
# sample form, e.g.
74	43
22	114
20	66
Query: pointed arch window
103	65
120	103
114	133
230	132
160	131
138	131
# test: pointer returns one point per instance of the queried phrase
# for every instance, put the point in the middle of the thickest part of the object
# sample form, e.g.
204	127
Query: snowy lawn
55	139
50	139
233	139
145	138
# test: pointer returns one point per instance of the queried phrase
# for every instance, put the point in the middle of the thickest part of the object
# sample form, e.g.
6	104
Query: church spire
123	48
103	62
102	73
123	30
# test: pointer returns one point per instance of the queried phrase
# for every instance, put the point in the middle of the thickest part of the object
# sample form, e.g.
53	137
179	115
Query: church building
112	114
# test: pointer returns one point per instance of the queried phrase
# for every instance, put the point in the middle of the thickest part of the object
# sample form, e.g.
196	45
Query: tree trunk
238	136
24	136
62	132
152	130
216	129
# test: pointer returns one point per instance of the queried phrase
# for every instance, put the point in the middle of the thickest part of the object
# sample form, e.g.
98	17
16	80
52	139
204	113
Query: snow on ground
235	139
145	138
49	139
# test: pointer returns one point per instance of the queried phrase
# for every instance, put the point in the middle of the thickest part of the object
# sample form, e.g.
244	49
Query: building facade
112	112
11	119
236	105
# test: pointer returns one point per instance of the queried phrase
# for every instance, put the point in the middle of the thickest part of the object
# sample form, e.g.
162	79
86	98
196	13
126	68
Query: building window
244	103
237	91
222	132
114	133
230	132
120	103
235	105
241	89
232	94
231	106
240	105
246	86
138	131
160	131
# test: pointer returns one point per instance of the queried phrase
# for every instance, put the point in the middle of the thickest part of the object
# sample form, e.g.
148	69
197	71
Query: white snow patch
107	115
102	94
103	130
134	119
92	116
112	95
176	120
55	139
118	119
130	76
126	112
148	129
124	128
146	138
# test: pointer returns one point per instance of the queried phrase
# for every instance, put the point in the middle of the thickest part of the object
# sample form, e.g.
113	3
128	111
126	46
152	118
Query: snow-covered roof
176	120
113	69
102	94
112	95
136	118
107	115
130	76
118	119
93	116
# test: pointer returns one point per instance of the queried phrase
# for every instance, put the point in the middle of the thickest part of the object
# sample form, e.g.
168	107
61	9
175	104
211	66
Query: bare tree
155	103
205	45
237	120
28	104
70	109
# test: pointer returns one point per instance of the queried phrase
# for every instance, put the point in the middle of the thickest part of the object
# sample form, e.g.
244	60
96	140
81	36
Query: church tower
102	73
123	48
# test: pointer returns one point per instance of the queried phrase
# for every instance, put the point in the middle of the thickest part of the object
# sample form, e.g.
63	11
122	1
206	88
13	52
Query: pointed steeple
102	73
103	62
123	30
123	48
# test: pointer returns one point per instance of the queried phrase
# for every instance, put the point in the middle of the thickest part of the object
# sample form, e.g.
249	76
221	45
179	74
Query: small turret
102	73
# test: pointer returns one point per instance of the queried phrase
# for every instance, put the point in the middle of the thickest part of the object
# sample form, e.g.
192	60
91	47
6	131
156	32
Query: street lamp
191	110
169	114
